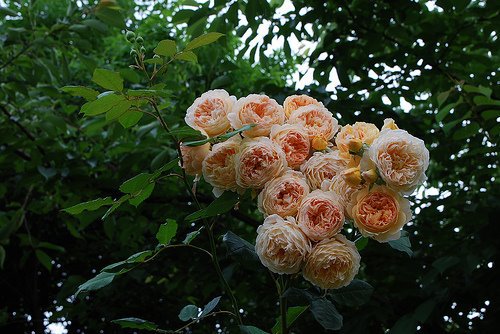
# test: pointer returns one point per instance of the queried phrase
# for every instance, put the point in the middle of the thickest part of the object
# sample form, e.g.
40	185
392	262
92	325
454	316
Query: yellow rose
259	161
320	215
317	121
323	166
379	213
401	159
256	109
294	141
332	263
281	245
283	194
294	102
349	135
219	165
192	158
208	113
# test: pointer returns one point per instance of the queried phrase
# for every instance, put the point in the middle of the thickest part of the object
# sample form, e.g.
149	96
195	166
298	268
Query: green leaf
2	256
292	314
483	100
130	118
118	267
44	259
402	244
187	133
166	47
108	79
115	205
221	205
490	114
168	166
445	111
222	81
446	262
118	110
405	325
49	245
220	138
190	237
209	307
480	90
424	310
135	323
166	232
361	243
188	312
87	93
102	105
442	97
467	131
203	40
326	314
111	16
251	330
101	280
136	183
4	11
142	195
90	205
47	172
187	56
157	61
357	293
241	249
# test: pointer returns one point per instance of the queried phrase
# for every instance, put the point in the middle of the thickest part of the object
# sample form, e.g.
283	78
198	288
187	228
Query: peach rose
389	124
320	215
323	166
208	113
364	132
379	213
342	190
283	194
219	165
294	141
259	161
281	245
332	263
294	102
401	159
192	158
256	109
317	121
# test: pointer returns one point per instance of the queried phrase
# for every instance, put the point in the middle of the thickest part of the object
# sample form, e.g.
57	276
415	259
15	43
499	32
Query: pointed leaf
166	232
90	205
108	79
203	40
135	323
166	47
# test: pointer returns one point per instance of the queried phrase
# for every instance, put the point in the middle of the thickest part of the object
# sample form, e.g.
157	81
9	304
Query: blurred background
430	65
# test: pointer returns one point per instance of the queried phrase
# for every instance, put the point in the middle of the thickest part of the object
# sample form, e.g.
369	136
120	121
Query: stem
213	249
284	329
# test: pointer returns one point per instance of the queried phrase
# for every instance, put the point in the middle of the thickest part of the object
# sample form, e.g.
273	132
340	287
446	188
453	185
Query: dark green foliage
70	220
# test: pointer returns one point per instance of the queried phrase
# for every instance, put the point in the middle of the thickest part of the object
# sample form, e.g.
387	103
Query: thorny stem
213	249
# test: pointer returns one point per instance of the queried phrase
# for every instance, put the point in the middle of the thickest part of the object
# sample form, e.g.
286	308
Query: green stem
282	289
213	249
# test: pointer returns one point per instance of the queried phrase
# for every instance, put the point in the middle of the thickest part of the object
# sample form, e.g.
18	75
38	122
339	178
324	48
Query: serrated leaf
166	47
90	205
142	195
187	56
166	232
326	314
87	93
118	110
220	205
202	40
102	105
135	323
108	79
188	312
357	293
44	259
130	118
136	183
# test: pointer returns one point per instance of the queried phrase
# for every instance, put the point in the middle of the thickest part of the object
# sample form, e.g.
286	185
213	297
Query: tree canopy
430	65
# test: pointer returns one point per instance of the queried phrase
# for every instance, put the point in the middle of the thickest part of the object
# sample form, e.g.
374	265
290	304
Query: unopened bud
355	145
370	176
352	176
354	161
319	143
133	52
389	124
130	36
139	40
143	49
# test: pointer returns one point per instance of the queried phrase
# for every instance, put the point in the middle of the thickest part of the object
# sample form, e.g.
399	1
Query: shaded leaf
108	79
188	312
90	205
251	330
101	280
209	307
402	244
135	323
44	259
166	232
241	249
357	293
292	314
87	93
187	56
220	205
326	314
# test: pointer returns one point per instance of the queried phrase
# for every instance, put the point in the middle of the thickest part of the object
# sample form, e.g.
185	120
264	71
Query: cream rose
320	215
401	159
342	190
294	141
294	102
283	194
219	165
192	158
259	161
323	166
317	121
380	213
281	245
209	112
364	132
332	263
256	109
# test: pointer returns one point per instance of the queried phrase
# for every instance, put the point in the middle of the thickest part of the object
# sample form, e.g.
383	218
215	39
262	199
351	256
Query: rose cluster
312	176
